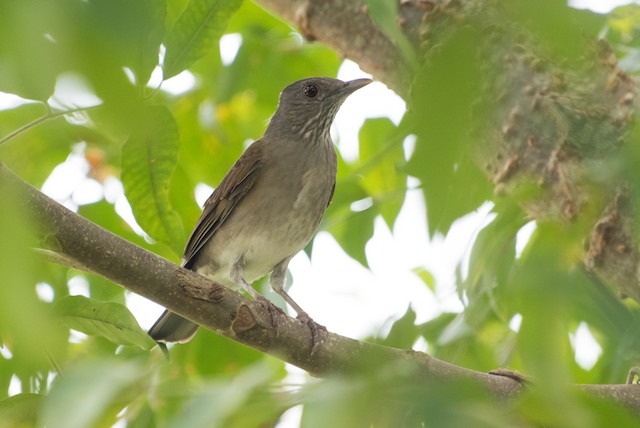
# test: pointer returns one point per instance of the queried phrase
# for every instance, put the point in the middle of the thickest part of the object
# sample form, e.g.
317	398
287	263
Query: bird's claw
274	311
315	328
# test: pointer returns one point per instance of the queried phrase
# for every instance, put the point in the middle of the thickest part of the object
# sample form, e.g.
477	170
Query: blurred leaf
540	288
447	86
216	402
196	32
48	144
624	36
270	47
110	320
29	61
492	260
20	410
426	277
149	19
380	153
563	29
148	160
102	289
385	14
91	394
433	329
404	331
26	328
625	19
145	418
202	358
129	32
349	227
353	230
392	395
104	214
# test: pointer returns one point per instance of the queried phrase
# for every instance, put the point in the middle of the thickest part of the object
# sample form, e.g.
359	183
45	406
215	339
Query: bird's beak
353	85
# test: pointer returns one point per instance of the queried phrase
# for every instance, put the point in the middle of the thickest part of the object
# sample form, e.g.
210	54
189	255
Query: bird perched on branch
270	203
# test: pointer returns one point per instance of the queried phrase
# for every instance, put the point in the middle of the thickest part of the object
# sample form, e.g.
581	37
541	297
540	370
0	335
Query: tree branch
230	314
346	26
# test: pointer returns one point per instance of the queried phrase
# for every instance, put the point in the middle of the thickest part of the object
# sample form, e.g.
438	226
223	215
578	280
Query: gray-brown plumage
270	203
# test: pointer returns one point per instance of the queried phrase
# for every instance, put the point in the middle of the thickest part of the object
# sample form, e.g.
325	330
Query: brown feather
235	185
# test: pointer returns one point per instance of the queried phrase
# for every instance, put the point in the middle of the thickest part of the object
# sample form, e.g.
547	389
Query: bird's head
310	105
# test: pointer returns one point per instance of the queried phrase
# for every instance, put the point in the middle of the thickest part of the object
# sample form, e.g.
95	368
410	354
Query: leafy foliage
148	158
198	27
106	319
522	303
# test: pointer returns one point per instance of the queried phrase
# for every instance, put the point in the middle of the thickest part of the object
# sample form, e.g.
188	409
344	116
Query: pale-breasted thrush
270	203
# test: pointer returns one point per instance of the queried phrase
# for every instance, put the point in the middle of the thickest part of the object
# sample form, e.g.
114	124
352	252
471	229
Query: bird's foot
274	311
316	330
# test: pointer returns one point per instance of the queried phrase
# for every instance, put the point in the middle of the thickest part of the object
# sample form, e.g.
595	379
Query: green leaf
404	331
380	153
92	394
26	326
110	320
440	115
215	403
29	61
563	29
49	142
125	33
385	14
149	36
20	410
353	230
145	418
426	277
196	32
202	360
149	157
492	260
269	45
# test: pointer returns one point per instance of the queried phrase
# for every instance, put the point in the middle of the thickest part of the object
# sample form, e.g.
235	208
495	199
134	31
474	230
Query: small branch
49	115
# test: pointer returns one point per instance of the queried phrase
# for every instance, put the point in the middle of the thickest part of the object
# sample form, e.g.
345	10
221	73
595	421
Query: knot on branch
199	287
243	321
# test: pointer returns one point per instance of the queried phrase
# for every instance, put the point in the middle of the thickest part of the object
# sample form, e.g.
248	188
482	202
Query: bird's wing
238	181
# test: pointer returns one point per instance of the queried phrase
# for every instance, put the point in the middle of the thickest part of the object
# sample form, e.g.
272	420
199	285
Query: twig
49	115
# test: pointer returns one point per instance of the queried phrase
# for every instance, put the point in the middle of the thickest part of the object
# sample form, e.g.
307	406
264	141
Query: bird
270	203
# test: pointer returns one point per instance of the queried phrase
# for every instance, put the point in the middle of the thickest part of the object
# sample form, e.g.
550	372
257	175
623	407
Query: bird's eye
311	91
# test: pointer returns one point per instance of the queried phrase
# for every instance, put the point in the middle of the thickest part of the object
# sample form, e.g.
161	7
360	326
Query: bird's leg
237	275
277	284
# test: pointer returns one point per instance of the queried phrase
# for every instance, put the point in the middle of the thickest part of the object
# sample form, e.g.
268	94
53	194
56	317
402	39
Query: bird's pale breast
269	225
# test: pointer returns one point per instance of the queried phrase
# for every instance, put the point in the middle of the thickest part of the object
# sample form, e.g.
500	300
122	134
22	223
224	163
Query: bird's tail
171	327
